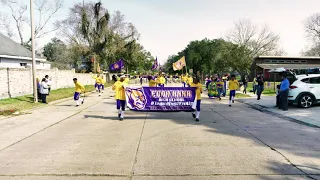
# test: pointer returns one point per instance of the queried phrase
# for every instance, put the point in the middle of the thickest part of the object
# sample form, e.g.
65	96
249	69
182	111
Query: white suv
305	90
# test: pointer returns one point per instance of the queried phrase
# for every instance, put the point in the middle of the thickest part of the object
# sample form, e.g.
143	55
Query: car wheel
306	101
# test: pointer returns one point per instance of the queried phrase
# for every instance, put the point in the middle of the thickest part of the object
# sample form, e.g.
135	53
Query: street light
35	93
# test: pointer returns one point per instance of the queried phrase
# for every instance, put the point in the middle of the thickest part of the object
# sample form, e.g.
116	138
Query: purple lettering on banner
160	98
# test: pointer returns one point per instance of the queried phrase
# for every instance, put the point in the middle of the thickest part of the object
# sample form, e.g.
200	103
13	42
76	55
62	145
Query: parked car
304	89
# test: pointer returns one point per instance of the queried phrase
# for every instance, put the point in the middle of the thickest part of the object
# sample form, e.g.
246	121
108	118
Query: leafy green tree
58	53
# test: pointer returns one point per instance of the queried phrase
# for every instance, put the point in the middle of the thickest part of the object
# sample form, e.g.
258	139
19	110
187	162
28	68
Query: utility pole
35	93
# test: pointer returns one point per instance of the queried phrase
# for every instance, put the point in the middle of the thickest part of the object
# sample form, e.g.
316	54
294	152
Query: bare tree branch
312	27
258	40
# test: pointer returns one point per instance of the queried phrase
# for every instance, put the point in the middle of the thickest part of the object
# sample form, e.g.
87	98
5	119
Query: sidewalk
300	115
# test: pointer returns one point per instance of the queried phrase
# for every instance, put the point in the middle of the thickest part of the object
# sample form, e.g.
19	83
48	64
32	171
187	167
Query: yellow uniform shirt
220	84
120	93
79	87
103	81
98	79
153	83
198	90
184	79
190	81
126	81
233	85
162	80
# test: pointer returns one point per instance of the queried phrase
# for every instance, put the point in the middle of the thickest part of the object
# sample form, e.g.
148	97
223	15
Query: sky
167	26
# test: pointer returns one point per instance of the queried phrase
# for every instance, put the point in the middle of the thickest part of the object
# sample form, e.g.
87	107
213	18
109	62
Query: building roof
12	50
288	66
287	57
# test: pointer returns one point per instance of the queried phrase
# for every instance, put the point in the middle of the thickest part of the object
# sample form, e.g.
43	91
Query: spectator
260	88
49	83
38	88
44	90
284	91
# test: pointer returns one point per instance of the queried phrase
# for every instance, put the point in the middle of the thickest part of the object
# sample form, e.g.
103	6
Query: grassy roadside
268	90
17	104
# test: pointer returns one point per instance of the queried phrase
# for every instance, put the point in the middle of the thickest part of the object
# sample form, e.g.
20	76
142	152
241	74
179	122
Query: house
299	65
14	55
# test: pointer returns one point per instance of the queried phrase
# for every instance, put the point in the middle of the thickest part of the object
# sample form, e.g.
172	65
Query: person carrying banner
161	80
127	80
79	88
233	86
120	97
184	79
152	83
196	83
189	81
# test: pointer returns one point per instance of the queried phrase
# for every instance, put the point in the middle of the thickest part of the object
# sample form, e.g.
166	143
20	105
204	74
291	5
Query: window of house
303	61
281	61
274	61
295	61
23	64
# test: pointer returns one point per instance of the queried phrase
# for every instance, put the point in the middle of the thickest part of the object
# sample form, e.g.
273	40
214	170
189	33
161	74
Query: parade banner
161	99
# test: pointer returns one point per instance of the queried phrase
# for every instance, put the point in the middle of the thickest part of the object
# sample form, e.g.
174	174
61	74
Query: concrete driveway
89	143
309	116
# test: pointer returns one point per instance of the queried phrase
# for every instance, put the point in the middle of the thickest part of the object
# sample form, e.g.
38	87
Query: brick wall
18	82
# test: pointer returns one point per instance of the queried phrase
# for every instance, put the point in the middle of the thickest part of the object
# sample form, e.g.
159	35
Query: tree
58	53
251	40
312	28
45	11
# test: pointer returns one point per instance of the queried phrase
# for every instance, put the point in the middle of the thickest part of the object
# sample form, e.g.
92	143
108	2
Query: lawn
268	88
11	105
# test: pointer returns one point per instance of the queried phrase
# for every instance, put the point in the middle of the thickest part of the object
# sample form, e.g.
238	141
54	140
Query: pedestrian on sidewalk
44	90
233	86
260	88
79	88
196	83
120	96
284	91
49	83
38	88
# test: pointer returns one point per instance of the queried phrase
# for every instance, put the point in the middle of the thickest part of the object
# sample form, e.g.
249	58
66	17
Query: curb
265	110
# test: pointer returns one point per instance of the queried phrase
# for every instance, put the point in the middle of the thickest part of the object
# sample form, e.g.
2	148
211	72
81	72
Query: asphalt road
89	143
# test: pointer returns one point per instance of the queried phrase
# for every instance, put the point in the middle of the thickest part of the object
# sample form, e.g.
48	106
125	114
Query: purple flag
117	66
155	64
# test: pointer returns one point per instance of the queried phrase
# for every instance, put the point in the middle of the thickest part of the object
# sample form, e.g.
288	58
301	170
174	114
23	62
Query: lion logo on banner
137	98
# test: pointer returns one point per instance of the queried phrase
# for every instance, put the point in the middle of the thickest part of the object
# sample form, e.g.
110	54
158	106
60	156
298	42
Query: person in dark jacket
260	88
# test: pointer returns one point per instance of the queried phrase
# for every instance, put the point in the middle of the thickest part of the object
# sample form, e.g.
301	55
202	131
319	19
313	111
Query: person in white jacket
49	83
44	90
